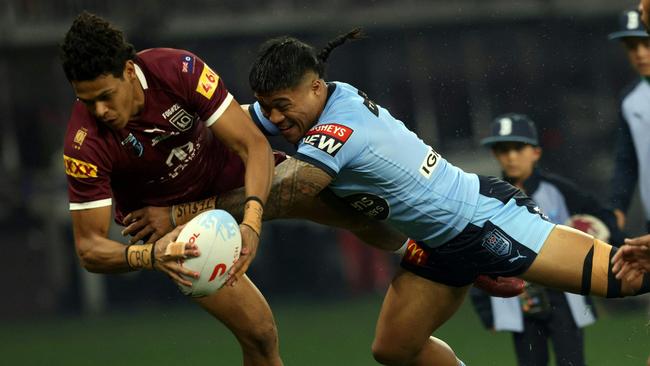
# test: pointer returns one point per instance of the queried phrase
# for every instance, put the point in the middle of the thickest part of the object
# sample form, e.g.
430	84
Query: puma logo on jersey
429	163
328	138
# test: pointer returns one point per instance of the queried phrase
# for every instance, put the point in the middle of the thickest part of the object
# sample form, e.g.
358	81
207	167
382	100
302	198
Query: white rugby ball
216	233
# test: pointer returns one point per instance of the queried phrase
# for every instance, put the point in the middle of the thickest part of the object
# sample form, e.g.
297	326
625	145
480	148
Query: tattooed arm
298	191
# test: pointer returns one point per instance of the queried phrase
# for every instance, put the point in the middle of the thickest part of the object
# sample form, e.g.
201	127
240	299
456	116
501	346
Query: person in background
540	315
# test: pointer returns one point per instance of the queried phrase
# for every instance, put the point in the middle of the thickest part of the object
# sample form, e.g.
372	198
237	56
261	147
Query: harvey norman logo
328	138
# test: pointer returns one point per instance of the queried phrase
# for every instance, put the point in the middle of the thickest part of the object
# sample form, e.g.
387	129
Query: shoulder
633	91
85	142
346	106
169	67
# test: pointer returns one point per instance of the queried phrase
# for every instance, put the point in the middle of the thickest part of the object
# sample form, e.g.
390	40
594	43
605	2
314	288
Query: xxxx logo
79	168
415	254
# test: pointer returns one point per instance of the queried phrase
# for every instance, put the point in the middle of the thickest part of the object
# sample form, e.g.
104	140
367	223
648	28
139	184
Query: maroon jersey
167	155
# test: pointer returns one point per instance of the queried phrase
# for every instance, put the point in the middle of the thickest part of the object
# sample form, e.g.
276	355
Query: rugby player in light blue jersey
462	224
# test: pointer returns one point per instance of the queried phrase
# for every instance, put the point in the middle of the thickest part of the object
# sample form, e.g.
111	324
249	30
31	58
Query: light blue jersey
385	170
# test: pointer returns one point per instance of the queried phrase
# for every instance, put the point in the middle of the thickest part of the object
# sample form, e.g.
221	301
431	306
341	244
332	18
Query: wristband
253	211
140	256
254	198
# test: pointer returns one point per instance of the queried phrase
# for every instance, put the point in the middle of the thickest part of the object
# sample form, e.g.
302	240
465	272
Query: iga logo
429	164
328	138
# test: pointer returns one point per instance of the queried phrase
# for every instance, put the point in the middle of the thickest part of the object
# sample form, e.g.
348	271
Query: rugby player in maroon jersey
157	128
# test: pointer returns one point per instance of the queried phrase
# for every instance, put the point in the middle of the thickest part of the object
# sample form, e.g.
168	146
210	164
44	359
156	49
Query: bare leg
561	263
413	309
246	313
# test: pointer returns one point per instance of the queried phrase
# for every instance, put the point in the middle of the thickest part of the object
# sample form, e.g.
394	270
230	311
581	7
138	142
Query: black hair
281	62
93	47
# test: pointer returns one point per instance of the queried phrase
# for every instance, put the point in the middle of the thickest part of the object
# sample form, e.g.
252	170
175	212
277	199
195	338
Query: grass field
330	333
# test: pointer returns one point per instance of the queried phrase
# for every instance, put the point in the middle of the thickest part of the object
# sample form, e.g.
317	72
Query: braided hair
281	62
93	47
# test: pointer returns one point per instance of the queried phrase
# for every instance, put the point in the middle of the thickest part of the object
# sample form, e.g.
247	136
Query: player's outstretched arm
97	253
238	132
290	198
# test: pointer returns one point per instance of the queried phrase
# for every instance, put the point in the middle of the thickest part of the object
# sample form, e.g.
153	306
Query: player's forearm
259	169
102	255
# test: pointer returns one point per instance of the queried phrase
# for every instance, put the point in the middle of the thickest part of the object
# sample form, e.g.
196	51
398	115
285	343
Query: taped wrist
140	256
253	212
182	213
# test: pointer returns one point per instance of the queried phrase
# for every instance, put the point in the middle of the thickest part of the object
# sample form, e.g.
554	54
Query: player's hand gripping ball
216	233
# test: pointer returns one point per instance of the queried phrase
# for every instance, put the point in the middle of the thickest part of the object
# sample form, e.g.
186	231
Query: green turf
331	333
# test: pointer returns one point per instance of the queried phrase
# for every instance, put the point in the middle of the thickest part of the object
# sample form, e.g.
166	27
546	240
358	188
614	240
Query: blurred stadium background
444	67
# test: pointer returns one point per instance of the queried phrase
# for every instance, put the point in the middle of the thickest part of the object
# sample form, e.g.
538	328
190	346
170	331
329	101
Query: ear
129	70
318	86
537	153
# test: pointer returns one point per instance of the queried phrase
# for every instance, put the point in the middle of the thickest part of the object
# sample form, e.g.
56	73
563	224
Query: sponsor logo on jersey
329	138
429	163
415	254
370	205
79	138
187	64
207	82
79	168
178	117
497	242
180	158
134	144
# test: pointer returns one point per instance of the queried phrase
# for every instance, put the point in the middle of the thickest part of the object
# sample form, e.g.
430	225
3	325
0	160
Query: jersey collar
141	78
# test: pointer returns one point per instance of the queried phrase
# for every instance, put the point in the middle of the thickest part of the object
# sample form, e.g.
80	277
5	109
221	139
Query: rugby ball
216	233
589	224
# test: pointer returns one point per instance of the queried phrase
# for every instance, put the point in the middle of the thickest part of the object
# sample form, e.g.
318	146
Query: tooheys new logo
328	137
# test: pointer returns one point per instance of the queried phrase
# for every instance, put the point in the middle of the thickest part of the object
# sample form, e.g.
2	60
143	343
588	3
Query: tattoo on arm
295	183
184	212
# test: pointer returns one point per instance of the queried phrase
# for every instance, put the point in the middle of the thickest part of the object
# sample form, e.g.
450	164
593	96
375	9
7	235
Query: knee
261	340
391	353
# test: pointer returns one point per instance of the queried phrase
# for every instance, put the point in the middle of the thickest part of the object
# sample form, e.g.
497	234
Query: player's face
638	52
644	9
517	159
111	100
294	111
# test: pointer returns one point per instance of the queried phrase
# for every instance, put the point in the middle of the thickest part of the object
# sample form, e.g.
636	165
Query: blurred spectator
540	314
632	162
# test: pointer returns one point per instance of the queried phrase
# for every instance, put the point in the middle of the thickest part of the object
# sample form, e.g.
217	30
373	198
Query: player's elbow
88	257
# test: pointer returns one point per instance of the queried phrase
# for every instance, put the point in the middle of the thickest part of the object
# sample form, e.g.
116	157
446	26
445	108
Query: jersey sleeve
263	123
88	173
203	88
330	146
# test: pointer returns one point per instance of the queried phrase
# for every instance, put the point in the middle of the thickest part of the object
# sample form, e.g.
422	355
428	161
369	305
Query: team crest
79	138
497	243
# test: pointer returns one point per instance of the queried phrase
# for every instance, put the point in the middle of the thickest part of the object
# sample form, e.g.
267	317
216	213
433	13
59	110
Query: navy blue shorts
503	239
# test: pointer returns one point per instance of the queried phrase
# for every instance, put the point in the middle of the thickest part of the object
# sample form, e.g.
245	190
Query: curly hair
282	62
93	47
